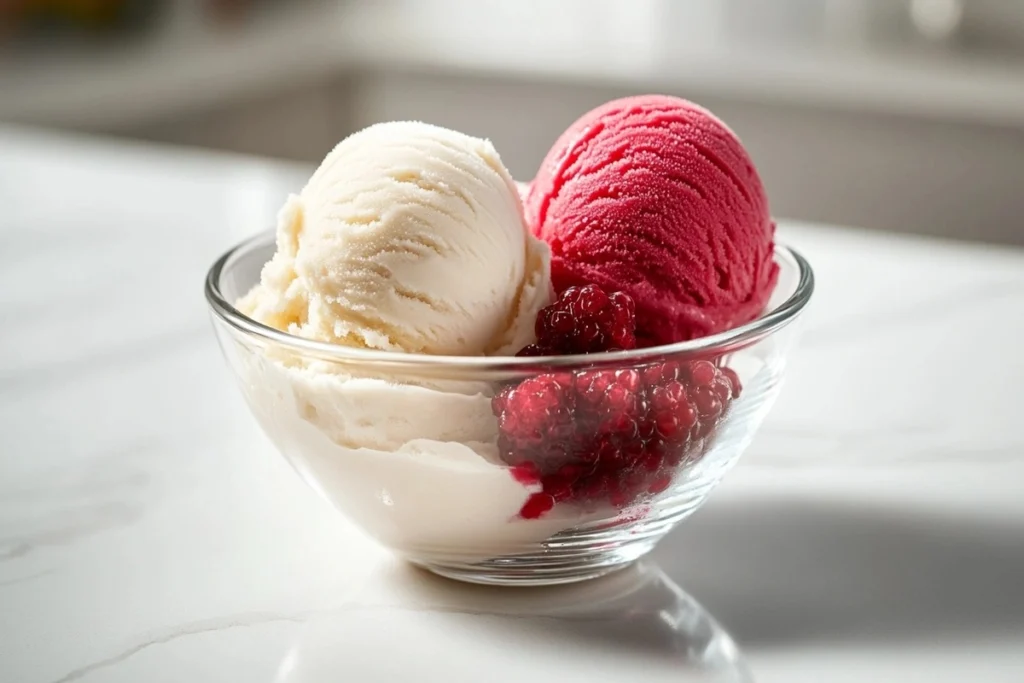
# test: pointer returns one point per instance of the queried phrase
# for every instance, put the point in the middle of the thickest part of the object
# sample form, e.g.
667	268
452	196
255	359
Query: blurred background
902	115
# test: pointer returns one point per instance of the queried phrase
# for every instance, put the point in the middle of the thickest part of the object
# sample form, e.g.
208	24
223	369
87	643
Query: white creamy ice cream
409	237
415	467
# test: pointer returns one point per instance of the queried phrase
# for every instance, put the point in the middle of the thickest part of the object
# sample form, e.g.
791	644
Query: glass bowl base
542	569
578	554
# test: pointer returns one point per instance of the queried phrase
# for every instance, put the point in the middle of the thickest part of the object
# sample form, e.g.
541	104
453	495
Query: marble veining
28	577
149	532
176	632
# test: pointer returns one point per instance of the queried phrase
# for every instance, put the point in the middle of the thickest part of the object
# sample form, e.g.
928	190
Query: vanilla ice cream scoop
408	237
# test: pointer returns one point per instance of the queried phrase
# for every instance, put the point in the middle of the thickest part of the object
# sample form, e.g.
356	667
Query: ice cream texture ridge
647	224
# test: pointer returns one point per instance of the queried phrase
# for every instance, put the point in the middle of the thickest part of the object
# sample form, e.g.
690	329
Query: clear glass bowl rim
723	342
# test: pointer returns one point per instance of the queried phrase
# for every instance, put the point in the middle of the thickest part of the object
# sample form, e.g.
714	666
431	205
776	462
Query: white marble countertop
148	531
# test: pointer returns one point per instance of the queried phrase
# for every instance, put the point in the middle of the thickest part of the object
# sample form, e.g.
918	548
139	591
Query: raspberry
610	402
534	416
671	414
608	435
708	391
604	436
585	320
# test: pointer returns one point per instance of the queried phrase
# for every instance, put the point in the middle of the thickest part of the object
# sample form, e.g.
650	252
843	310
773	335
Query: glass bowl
505	470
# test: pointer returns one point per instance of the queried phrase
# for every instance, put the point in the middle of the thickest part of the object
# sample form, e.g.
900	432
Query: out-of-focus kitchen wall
889	114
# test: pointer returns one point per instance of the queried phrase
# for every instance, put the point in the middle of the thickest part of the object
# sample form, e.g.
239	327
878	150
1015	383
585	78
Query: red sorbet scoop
655	197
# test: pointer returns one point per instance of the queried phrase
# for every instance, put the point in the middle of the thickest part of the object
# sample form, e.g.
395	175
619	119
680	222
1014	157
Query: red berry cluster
584	320
606	435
